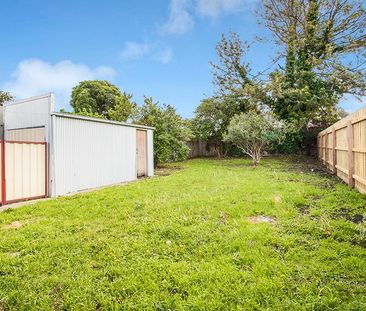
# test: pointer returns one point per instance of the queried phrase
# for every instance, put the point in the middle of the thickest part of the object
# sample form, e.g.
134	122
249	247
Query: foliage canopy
253	133
5	96
171	131
102	99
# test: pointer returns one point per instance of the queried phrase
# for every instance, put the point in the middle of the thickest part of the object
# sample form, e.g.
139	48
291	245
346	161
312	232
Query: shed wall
90	154
29	113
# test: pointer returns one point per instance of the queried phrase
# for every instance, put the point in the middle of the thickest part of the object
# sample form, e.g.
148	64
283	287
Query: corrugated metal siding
150	153
29	135
90	154
32	112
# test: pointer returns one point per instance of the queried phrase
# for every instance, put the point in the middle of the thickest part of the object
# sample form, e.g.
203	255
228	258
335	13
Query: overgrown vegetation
171	131
321	57
188	241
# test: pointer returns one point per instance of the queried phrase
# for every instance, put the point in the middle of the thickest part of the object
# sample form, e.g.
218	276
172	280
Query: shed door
141	151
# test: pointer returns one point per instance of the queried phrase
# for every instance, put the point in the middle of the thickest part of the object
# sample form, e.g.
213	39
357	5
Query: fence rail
342	148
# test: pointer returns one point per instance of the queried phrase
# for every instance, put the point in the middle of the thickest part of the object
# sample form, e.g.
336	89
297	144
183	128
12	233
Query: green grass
181	241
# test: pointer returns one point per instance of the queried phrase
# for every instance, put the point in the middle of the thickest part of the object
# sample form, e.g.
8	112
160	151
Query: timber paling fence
199	148
342	148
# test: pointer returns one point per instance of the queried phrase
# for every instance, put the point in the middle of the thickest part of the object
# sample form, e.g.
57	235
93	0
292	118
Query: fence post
326	149
3	174
334	133
351	160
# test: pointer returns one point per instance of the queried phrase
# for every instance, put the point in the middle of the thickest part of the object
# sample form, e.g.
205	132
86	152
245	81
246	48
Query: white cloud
134	50
155	51
181	12
180	20
164	55
34	77
214	8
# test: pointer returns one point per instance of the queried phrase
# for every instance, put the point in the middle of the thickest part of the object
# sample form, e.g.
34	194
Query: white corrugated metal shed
84	152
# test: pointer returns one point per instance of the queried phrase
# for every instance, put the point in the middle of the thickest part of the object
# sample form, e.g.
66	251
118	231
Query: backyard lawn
203	235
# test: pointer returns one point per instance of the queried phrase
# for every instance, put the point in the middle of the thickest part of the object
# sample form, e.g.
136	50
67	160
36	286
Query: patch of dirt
357	219
14	225
259	219
303	208
277	199
167	170
348	215
13	255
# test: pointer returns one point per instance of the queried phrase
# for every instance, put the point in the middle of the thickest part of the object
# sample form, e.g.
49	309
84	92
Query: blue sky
158	48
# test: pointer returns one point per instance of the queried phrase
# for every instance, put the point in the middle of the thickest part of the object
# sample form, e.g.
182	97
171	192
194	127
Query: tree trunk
218	151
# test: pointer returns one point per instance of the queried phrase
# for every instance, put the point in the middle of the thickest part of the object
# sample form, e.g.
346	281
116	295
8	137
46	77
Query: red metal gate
24	174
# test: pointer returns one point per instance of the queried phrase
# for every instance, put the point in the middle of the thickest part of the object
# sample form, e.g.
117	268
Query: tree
212	118
171	131
236	93
254	133
101	98
323	44
231	74
4	97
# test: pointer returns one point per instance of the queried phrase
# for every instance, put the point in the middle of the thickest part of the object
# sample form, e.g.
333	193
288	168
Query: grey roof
79	117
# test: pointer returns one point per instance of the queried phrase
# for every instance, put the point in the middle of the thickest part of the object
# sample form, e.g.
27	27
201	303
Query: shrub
254	133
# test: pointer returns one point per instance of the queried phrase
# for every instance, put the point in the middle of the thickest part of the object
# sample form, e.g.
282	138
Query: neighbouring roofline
21	101
79	117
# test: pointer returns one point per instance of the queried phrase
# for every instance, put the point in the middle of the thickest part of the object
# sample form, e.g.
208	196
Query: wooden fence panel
359	149
342	148
199	148
342	154
25	171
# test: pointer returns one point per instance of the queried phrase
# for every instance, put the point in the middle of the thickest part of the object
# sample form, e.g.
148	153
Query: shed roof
79	117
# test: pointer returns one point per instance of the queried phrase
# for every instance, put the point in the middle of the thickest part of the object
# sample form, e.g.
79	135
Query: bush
171	131
254	134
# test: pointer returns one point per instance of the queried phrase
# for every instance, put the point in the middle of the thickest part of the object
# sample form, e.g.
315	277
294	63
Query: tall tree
323	43
101	98
236	92
232	75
